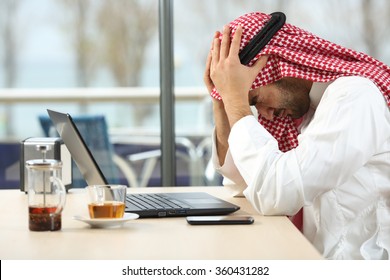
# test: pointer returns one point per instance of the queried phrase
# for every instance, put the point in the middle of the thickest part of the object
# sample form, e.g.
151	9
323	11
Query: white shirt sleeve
232	179
341	137
272	177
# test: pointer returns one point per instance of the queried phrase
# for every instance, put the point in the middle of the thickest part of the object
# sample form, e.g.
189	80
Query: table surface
270	237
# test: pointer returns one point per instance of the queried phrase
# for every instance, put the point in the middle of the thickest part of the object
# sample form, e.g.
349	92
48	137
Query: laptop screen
78	149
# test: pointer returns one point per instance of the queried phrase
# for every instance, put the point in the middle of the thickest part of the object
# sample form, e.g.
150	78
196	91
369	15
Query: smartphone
220	220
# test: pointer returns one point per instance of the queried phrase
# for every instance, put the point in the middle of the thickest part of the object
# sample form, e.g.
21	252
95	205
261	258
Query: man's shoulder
353	88
354	82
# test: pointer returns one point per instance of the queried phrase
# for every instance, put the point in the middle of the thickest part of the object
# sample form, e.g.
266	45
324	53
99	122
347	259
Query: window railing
191	137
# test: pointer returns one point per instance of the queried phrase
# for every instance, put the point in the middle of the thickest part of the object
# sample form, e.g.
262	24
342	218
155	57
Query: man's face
286	97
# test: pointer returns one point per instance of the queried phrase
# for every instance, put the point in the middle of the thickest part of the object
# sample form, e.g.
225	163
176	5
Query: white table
157	238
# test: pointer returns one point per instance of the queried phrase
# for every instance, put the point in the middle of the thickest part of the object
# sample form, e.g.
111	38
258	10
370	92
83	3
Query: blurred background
98	57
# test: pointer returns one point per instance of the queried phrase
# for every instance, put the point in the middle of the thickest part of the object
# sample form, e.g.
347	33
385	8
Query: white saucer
102	223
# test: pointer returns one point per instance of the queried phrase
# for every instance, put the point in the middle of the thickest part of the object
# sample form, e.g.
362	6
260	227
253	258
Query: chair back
9	165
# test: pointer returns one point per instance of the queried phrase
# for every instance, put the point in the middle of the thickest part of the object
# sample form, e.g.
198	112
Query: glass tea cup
106	201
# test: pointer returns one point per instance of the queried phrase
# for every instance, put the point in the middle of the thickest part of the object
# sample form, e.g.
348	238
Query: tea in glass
108	209
106	201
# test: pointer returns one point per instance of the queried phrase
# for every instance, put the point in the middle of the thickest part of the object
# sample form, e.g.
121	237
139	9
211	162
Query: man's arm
222	130
222	127
233	81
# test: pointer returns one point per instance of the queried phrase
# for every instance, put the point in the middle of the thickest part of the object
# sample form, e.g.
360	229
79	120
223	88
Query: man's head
294	52
285	97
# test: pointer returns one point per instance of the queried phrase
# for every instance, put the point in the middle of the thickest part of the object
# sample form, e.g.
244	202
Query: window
103	57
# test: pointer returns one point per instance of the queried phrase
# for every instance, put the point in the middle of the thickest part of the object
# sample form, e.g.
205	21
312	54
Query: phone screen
219	220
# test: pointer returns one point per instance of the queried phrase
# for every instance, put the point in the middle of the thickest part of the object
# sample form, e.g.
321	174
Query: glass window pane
103	57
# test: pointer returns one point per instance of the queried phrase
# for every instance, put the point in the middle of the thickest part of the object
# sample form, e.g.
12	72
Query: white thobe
339	173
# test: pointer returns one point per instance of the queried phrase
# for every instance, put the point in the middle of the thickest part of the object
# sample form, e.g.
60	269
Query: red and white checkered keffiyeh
297	53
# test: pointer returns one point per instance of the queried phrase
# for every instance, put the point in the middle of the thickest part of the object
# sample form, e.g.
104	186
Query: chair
151	159
204	150
93	129
9	165
192	157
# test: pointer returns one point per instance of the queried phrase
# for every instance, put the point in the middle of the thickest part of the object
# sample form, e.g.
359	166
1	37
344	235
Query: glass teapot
46	192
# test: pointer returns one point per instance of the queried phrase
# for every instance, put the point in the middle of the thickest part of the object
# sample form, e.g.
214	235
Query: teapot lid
43	163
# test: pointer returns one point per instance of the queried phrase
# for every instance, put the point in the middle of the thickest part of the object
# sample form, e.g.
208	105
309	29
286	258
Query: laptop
145	204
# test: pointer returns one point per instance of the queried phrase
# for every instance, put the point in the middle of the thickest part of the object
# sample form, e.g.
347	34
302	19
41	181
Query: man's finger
215	51
206	78
208	64
259	64
216	36
225	43
235	45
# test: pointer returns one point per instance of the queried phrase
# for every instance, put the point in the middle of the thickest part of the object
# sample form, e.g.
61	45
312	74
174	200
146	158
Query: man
321	140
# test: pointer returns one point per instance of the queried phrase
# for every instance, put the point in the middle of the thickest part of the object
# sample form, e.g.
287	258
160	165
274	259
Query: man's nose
266	112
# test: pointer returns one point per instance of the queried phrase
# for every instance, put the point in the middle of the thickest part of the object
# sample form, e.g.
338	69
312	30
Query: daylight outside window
101	57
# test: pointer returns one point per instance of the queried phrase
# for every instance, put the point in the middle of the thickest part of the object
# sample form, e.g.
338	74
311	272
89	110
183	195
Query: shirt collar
316	92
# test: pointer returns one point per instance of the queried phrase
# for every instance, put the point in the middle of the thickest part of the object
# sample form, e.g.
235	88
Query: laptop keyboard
153	201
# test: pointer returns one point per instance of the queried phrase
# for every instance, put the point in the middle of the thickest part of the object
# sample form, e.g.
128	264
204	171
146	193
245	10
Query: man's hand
206	77
232	79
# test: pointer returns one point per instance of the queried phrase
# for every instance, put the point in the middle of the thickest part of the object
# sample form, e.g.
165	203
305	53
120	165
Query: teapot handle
61	191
